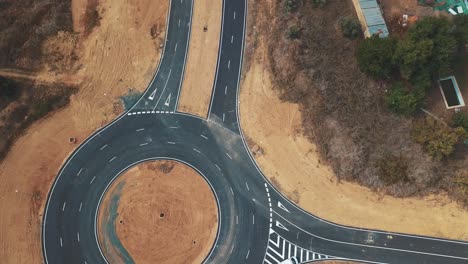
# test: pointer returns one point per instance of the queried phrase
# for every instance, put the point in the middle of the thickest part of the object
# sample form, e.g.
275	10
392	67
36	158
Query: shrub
290	6
319	3
375	55
350	27
8	89
436	138
401	101
461	120
294	32
393	169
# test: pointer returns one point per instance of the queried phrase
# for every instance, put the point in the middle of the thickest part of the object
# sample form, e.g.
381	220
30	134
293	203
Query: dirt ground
202	58
292	163
152	196
118	55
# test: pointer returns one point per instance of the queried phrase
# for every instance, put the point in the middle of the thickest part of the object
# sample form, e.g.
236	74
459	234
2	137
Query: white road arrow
151	97
168	100
280	205
278	224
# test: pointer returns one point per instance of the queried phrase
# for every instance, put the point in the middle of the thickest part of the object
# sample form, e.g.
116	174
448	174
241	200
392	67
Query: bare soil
119	54
157	217
202	58
278	133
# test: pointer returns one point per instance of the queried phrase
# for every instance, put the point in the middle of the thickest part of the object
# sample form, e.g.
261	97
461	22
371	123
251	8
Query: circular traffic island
158	212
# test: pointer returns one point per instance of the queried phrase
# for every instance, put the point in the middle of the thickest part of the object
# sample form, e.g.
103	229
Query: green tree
430	46
401	101
375	55
436	138
350	27
413	56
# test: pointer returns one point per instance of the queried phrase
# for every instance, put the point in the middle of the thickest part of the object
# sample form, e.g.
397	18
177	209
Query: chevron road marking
280	249
280	205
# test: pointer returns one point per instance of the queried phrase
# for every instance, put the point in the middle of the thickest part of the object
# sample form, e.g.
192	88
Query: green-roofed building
454	7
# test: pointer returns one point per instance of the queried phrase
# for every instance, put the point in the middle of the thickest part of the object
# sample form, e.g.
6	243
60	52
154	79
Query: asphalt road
257	224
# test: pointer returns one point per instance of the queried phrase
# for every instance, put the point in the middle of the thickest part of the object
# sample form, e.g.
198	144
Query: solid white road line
81	205
141	129
103	147
165	85
113	159
63	207
203	136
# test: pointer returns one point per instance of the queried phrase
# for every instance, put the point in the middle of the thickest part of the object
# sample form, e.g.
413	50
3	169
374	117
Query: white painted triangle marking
151	97
278	224
168	100
280	205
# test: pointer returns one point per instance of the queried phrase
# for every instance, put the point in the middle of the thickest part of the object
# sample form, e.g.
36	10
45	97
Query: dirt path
118	55
202	58
153	196
292	164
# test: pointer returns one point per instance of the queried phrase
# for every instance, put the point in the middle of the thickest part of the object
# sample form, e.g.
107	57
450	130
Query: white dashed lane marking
103	147
63	207
203	136
92	180
81	205
113	159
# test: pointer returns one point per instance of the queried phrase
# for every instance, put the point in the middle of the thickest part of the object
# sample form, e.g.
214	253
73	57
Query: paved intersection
257	224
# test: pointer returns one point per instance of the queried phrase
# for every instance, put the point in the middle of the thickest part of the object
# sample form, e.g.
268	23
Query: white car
292	260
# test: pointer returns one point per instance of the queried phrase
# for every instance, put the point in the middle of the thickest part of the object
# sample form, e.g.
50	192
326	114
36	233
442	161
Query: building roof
374	19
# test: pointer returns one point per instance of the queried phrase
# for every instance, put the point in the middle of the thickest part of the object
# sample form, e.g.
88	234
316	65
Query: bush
351	27
461	120
436	138
8	89
319	3
401	101
393	169
290	6
294	32
375	55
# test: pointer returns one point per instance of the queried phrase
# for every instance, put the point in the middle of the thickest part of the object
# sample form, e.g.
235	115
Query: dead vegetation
35	36
343	110
33	102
